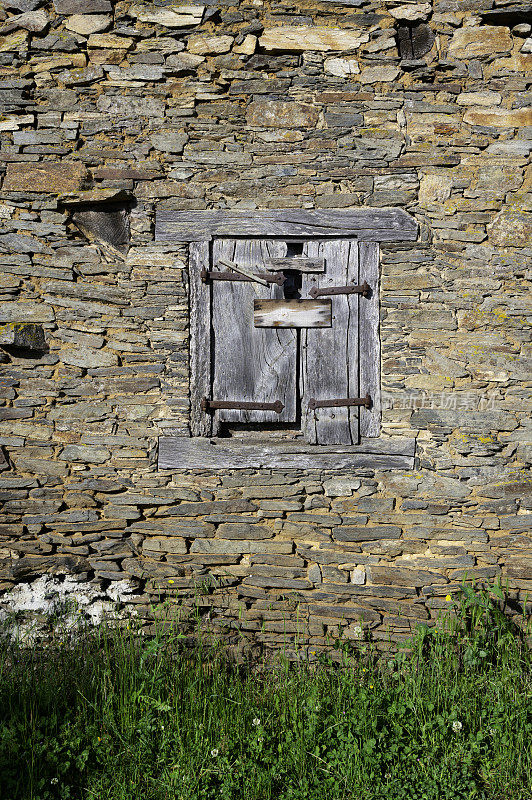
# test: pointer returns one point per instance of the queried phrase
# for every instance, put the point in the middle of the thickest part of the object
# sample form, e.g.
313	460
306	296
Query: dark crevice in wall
510	15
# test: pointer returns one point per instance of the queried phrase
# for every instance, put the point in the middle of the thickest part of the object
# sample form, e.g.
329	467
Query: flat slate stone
299	38
44	176
163	544
26	335
379	74
480	41
207	507
349	533
477	421
499	117
346	612
410	13
19	243
243	530
181	16
34	21
169	141
91	454
281	114
124	106
13	41
22	5
82	6
35	566
333	120
511	228
87	358
402	576
85	24
183	62
183	528
201	45
109	41
341	67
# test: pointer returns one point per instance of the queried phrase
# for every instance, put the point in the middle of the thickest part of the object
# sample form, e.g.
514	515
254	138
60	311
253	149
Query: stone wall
126	107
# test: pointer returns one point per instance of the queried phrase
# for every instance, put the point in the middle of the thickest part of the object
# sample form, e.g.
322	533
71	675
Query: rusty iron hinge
212	405
211	275
364	289
347	401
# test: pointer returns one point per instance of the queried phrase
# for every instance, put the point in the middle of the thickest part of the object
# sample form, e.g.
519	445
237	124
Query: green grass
107	715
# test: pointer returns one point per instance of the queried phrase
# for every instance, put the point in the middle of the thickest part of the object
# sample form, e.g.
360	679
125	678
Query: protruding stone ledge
95	196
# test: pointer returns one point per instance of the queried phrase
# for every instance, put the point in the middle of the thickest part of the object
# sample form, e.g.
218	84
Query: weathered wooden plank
366	224
292	314
296	262
389	446
370	346
201	453
329	357
200	339
250	364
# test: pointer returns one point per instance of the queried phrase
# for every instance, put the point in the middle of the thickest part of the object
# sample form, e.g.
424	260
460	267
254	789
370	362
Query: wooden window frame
200	450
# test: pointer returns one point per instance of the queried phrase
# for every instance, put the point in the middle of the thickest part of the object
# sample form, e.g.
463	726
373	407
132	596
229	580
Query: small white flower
260	739
256	722
457	726
214	752
358	632
54	780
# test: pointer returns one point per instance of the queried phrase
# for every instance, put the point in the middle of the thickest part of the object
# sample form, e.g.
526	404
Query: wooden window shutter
342	361
250	364
233	359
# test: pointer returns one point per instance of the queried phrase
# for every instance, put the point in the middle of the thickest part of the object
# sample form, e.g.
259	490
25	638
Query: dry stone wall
113	109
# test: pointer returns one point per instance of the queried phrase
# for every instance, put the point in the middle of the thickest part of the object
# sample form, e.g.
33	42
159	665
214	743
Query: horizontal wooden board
292	314
365	224
297	263
180	452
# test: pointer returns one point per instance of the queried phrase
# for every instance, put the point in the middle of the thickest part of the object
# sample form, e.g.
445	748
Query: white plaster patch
44	596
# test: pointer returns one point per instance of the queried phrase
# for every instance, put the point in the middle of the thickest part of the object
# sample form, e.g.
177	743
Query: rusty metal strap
212	275
364	289
346	401
240	405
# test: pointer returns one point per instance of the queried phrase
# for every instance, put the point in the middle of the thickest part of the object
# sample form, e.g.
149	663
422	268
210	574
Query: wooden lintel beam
364	224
